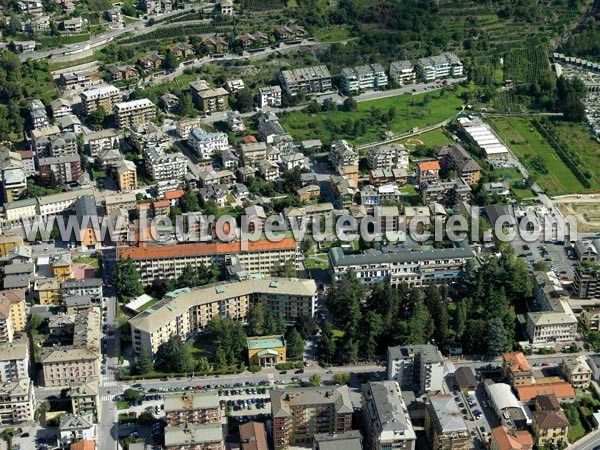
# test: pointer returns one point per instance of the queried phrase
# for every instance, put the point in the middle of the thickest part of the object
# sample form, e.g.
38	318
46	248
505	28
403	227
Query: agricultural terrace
372	118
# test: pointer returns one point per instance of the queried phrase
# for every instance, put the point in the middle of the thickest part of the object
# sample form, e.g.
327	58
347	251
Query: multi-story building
14	361
76	80
15	212
341	153
186	312
8	241
65	169
13	177
86	286
448	193
205	144
403	72
15	298
577	371
52	142
208	436
555	320
38	114
455	157
271	132
428	171
184	127
48	291
388	156
586	281
550	424
7	330
386	417
105	97
57	204
99	141
416	367
192	408
310	80
134	112
439	66
444	425
165	166
84	398
208	99
360	78
253	436
127	175
17	402
590	318
372	197
517	369
269	96
125	201
74	428
266	351
300	413
261	256
348	440
504	438
416	268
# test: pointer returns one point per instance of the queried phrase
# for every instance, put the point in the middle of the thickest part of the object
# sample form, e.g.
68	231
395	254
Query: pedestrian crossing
106	398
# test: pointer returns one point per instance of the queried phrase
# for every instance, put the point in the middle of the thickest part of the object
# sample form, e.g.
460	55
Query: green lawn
316	264
432	138
513	177
410	111
87	260
535	152
122	405
333	33
147	305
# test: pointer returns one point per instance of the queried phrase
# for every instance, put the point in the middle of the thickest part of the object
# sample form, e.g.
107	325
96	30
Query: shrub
254	368
284	366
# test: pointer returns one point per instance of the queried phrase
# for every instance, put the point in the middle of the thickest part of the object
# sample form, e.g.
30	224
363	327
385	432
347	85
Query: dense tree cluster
230	339
126	279
263	322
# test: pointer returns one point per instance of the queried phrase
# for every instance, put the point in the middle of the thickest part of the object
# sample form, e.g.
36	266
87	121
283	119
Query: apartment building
186	312
269	96
253	436
47	291
448	193
165	262
17	402
586	281
341	153
403	72
65	169
116	202
134	112
300	413
372	197
15	212
192	408
348	440
208	436
577	371
386	417
504	438
86	286
444	424
99	141
388	156
38	114
56	204
209	99
517	369
455	157
361	78
550	424
555	320
184	127
13	177
205	144
105	97
7	330
310	80
439	66
127	175
15	299
165	166
416	367
14	361
272	132
84	399
417	267
8	241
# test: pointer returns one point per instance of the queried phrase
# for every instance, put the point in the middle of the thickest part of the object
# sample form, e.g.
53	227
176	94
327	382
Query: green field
333	33
410	111
432	138
513	177
537	155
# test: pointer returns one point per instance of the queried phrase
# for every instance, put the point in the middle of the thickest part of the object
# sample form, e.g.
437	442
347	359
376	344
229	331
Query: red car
198	388
299	371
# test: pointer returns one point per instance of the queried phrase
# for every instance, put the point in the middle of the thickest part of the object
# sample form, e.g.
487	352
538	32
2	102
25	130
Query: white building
361	78
205	144
17	402
439	66
342	154
416	366
14	361
165	166
388	156
403	72
75	427
269	96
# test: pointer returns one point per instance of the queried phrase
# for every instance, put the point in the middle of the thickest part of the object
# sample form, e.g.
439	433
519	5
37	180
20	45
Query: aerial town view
300	224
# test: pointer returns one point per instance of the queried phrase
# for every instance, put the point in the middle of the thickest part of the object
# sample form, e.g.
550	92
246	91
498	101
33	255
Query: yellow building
127	175
61	266
48	291
16	299
8	241
550	425
266	351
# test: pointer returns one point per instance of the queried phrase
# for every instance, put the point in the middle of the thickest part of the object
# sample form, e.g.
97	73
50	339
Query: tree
244	101
326	346
143	362
341	378
145	418
126	279
350	104
315	380
171	62
188	277
186	105
419	325
295	344
460	318
131	395
174	356
256	320
307	327
96	118
372	327
497	339
35	322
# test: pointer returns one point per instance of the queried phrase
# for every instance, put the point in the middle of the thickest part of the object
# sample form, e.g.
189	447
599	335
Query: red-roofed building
428	171
505	439
174	196
83	445
516	369
249	140
161	207
562	390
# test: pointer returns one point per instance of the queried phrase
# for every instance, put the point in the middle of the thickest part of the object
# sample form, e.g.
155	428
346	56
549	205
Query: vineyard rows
526	65
177	32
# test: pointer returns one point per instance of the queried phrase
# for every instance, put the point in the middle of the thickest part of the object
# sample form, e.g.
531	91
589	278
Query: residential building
562	390
428	171
208	99
84	399
464	379
192	408
24	46
372	197
417	267
6	324
184	127
8	241
86	286
75	80
550	424
185	312
344	191
105	97
271	132
226	7
300	413
444	424
269	97
266	351
506	406
403	72
151	62
348	440
455	157
134	112
235	122
205	144
208	436
439	66
75	427
517	369
127	175
56	204
360	78
14	361
269	170
380	177
417	367
386	418
99	141
341	153
113	15
126	201
586	281
310	80
73	25
48	291
591	319
38	114
504	438
17	402
253	436
290	32
70	123
15	212
165	166
28	160
65	169
13	177
577	371
448	193
125	73
215	45
60	107
388	156
182	50
213	178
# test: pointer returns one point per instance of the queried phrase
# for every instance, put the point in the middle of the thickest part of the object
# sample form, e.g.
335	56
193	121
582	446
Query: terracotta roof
249	139
505	440
161	203
253	436
560	389
83	445
172	195
551	419
181	250
429	165
547	403
516	362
